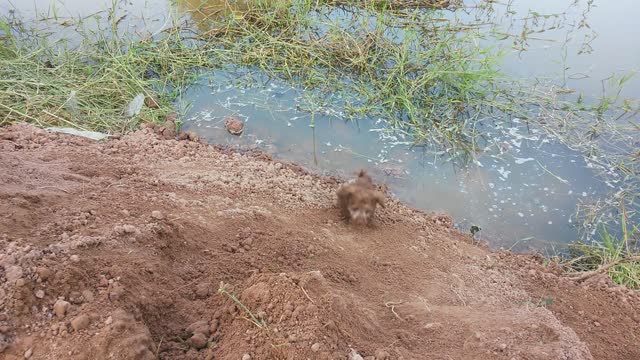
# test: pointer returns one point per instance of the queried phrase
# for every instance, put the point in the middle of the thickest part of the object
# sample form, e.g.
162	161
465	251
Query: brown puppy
358	200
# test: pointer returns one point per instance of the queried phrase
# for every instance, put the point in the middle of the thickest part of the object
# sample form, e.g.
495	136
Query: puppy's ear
379	198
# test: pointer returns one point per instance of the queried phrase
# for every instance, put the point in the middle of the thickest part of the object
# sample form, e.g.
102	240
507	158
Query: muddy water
522	196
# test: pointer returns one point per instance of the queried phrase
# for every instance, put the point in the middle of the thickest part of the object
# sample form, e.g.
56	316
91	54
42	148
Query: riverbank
146	247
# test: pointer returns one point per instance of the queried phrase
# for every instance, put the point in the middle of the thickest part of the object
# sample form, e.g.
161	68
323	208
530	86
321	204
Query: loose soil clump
148	247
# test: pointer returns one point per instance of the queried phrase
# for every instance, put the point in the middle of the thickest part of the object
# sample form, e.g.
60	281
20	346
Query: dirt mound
143	247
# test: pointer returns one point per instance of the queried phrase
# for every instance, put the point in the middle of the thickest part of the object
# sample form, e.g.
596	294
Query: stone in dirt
234	125
28	353
203	290
4	343
13	273
246	357
87	295
198	327
157	215
43	273
382	355
315	347
197	341
80	322
353	355
60	308
39	293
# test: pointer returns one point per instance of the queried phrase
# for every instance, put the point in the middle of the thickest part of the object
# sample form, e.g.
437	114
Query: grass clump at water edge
614	254
88	85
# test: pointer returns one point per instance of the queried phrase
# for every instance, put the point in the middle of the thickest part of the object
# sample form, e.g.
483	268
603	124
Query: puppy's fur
358	200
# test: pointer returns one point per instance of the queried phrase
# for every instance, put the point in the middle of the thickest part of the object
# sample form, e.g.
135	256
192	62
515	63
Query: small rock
151	103
503	347
80	322
234	125
87	295
109	320
597	324
198	327
43	273
171	117
246	357
60	308
197	341
4	343
129	229
353	355
168	130
28	353
40	293
13	273
382	355
157	215
203	290
315	347
74	258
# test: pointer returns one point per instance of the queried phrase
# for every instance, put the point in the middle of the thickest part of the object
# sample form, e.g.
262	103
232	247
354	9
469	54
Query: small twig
53	187
392	304
159	344
307	295
253	319
585	275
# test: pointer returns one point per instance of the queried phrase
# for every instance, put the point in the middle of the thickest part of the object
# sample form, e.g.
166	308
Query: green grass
105	72
252	318
616	254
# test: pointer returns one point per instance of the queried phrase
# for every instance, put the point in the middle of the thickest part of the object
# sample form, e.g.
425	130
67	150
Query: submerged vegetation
423	67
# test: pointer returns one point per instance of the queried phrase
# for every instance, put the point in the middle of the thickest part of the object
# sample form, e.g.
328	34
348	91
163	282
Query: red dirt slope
117	250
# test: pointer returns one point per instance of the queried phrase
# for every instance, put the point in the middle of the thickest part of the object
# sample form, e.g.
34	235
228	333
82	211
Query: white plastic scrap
87	134
134	107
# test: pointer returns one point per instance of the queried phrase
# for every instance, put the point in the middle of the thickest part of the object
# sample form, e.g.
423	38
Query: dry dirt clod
198	327
234	125
197	341
203	290
13	273
315	347
80	322
39	293
156	214
87	295
43	273
60	308
28	353
381	355
74	258
246	357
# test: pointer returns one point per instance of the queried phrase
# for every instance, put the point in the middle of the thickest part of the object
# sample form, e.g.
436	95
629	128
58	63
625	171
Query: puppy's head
364	179
362	202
